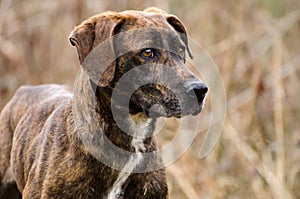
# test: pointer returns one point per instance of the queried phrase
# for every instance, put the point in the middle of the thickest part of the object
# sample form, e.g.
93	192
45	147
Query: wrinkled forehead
139	19
147	31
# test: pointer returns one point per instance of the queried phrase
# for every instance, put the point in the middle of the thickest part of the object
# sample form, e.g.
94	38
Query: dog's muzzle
196	91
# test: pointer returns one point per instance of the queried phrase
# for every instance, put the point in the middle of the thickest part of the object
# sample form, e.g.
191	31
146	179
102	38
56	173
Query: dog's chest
139	131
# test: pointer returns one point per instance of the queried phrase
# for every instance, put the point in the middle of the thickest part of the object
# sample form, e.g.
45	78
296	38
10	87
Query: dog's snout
196	89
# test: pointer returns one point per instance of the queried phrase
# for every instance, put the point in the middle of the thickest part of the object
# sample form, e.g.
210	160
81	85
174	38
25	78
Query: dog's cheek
143	98
125	64
139	102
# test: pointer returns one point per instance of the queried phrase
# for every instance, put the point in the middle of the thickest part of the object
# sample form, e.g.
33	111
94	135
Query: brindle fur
41	154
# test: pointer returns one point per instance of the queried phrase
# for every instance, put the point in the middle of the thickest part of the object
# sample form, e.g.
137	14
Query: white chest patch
139	129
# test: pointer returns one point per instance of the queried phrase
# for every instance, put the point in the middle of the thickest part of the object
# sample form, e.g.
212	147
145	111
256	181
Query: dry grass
255	44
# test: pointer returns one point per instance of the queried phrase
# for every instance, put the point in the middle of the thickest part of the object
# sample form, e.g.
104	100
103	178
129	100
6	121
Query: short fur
41	153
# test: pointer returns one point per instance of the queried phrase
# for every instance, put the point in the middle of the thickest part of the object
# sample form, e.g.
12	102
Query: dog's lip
177	113
164	113
195	111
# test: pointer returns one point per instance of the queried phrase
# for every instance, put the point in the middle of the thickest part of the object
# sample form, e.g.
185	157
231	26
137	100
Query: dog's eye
149	53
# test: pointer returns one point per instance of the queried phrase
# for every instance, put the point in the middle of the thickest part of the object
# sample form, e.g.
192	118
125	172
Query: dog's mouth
158	110
155	103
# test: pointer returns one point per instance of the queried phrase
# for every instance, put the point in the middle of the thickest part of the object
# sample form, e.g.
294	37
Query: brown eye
148	53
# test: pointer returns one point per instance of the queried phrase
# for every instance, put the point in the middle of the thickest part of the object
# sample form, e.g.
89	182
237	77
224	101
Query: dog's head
151	47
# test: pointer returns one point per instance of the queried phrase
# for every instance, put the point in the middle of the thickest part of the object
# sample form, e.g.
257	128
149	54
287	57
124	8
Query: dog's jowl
55	143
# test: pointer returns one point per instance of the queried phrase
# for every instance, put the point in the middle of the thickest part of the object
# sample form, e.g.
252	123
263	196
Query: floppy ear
87	36
83	38
178	26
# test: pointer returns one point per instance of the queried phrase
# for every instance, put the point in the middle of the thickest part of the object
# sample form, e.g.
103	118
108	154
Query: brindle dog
42	152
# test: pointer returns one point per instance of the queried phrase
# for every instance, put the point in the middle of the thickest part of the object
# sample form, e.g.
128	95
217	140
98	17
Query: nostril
196	89
201	90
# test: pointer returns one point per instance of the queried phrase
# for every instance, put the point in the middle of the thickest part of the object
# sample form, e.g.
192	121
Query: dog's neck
129	132
118	146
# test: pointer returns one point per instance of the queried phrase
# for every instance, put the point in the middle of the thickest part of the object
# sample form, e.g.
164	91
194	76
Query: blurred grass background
255	44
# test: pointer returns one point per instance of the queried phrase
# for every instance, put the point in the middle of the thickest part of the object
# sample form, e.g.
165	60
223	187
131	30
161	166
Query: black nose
196	89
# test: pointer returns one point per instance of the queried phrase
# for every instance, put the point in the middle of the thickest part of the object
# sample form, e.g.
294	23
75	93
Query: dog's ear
82	37
178	26
87	36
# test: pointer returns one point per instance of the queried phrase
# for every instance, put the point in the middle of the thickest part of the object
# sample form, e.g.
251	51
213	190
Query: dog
55	143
